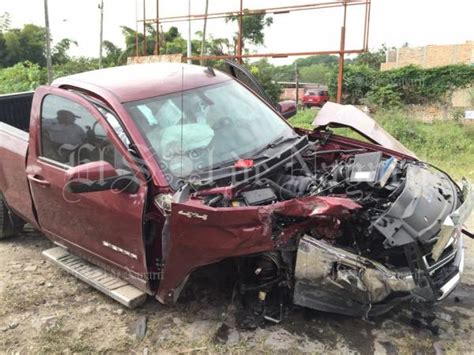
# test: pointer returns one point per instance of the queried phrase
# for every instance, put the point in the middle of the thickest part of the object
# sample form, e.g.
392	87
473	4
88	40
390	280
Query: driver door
104	226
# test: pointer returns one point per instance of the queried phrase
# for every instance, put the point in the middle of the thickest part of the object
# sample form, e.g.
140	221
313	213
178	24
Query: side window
115	124
72	136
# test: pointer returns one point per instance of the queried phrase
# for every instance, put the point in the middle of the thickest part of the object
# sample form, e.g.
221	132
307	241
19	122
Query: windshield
198	129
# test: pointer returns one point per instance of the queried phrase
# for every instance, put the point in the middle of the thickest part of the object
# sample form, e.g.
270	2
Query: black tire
10	224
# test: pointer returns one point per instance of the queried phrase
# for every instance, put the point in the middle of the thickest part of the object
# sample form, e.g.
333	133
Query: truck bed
14	138
15	110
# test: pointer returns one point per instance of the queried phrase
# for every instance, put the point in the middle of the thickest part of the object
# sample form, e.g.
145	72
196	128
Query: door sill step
112	286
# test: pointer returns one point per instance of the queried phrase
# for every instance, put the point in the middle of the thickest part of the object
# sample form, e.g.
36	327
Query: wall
430	56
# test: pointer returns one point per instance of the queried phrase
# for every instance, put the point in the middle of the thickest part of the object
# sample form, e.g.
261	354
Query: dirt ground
44	310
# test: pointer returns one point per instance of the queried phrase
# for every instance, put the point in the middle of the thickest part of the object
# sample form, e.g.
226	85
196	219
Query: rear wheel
10	224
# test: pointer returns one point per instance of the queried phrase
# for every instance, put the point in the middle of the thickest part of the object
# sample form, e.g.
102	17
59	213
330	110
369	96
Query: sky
393	22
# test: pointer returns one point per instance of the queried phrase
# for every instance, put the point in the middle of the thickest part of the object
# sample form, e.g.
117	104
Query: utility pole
101	7
157	33
145	48
241	33
297	81
203	44
189	33
48	43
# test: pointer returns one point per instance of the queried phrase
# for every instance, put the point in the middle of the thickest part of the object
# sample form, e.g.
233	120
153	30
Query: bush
407	85
23	76
74	66
384	96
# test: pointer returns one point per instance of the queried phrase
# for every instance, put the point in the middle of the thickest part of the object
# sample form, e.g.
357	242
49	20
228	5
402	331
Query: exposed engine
358	264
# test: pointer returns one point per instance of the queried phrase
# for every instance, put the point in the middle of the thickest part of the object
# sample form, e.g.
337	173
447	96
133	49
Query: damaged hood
337	115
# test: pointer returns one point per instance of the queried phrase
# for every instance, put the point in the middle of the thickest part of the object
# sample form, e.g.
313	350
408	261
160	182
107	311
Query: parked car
315	98
142	174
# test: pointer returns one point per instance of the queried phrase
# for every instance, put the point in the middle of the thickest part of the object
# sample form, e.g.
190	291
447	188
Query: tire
10	224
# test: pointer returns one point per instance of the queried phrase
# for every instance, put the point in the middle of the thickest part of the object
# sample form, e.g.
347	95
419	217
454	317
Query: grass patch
446	144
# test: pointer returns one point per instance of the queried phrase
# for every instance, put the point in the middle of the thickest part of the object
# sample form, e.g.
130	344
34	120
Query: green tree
26	44
315	73
372	59
5	22
253	26
317	59
3	50
113	55
59	53
322	63
171	41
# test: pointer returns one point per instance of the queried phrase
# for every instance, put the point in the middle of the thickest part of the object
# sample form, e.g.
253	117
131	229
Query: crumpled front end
332	224
333	279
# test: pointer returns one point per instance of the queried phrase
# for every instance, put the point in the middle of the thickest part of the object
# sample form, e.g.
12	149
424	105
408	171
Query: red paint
233	231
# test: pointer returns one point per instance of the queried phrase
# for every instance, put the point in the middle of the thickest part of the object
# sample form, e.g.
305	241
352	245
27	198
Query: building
430	56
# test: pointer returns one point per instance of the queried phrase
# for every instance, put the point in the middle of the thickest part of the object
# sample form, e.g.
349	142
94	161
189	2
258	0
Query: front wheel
10	224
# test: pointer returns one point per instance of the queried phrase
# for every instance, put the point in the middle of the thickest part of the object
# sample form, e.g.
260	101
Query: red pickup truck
142	174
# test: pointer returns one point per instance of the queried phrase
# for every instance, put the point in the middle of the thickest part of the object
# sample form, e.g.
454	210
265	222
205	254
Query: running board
98	278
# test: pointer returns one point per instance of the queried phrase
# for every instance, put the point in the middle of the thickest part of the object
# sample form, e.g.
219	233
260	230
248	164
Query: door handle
39	180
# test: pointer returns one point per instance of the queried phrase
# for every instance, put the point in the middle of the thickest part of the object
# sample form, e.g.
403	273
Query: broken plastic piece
244	163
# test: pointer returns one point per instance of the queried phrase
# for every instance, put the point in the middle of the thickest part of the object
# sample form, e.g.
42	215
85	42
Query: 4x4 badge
193	215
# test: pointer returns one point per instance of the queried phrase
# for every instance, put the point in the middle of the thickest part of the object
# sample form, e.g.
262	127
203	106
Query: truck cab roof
142	81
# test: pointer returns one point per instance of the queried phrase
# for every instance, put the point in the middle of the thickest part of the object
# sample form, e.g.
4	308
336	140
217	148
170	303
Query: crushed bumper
451	238
332	279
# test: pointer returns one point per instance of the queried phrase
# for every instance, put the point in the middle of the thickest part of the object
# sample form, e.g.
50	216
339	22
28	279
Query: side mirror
98	176
287	108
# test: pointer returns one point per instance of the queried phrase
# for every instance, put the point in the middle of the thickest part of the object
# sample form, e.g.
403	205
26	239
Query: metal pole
365	24
189	33
101	7
275	55
340	75
203	43
368	28
136	28
241	31
48	43
157	40
144	28
250	12
297	80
